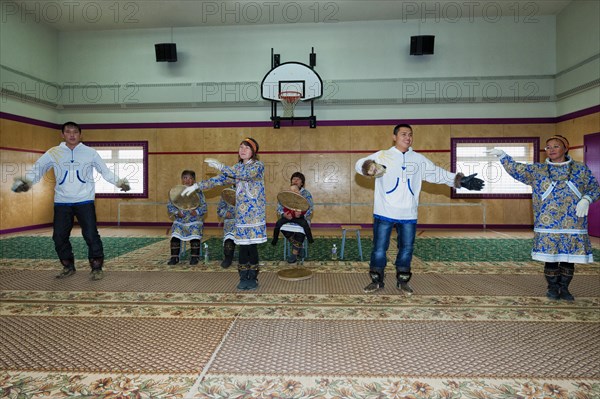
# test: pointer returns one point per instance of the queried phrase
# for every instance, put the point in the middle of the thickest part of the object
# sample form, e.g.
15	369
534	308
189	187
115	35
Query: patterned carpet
477	327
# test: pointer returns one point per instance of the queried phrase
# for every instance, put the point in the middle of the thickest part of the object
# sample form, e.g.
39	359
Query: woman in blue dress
563	190
250	206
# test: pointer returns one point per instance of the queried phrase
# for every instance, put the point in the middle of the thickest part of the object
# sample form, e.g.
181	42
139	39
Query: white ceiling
80	15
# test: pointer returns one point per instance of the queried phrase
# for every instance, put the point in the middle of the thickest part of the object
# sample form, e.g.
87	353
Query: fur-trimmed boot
248	277
228	250
68	268
552	274
402	279
567	270
195	252
175	249
252	282
96	265
377	281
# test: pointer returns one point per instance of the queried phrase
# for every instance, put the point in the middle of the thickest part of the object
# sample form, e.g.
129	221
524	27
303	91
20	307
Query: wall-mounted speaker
421	45
166	52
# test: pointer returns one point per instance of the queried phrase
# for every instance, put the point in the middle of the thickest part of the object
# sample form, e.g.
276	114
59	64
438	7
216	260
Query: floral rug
476	329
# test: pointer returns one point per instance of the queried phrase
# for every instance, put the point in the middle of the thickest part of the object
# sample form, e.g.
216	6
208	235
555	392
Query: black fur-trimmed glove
469	182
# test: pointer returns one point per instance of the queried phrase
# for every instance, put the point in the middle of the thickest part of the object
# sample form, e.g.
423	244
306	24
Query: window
128	160
469	156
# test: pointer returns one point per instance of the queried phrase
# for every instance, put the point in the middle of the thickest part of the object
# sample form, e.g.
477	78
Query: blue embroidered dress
559	235
228	223
250	199
188	227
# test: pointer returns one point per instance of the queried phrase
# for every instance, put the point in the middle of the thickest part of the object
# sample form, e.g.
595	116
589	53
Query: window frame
122	144
496	140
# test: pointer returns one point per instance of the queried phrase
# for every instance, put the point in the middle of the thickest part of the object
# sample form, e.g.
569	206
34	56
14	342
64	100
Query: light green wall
482	68
578	56
31	49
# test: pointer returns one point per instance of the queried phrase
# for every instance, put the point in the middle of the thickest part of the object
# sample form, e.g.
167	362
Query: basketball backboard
292	76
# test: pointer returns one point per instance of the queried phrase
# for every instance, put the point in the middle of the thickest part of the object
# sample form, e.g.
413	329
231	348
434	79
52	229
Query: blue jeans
63	224
382	230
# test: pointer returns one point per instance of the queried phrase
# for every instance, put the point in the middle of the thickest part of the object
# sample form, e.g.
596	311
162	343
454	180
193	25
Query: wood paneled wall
325	155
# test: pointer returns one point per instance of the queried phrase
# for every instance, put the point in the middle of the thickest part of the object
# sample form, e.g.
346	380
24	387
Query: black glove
471	182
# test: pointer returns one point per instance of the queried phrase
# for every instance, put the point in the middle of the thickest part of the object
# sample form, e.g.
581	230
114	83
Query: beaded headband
561	139
251	143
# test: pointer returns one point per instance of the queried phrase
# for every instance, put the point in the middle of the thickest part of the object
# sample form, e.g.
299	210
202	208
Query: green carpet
476	250
473	250
320	250
43	247
427	249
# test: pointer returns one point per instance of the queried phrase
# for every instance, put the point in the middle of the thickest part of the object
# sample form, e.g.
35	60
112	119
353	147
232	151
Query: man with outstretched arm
74	193
399	173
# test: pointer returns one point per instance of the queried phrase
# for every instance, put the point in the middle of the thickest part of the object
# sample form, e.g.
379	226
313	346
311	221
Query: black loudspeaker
276	60
313	59
421	45
166	52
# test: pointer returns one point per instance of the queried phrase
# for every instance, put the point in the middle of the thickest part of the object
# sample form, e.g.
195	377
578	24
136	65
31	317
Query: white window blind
127	162
471	157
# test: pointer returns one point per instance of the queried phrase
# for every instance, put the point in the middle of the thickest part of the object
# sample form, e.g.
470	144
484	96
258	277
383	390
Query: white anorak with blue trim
73	171
397	191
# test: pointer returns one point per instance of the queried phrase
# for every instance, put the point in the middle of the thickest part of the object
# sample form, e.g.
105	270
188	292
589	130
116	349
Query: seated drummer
188	225
294	224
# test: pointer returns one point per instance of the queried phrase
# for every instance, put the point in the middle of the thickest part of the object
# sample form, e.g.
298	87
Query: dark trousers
64	218
248	254
302	222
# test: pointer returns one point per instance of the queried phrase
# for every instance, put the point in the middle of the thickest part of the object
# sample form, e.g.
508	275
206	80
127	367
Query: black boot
96	265
402	279
252	282
566	275
175	249
552	274
195	252
68	268
248	277
228	250
377	277
243	272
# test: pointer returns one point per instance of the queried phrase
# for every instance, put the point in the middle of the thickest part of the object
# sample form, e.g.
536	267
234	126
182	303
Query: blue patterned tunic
559	235
250	199
189	227
228	223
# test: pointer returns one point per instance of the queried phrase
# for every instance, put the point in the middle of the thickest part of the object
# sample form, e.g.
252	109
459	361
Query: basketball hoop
289	99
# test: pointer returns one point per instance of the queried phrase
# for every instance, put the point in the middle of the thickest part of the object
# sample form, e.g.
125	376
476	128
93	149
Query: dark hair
300	175
190	173
70	124
253	144
397	127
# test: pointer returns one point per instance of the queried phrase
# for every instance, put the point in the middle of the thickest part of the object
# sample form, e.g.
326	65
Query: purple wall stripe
30	121
366	122
26	228
578	114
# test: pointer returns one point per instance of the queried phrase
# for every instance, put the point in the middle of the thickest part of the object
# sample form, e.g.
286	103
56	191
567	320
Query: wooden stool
346	228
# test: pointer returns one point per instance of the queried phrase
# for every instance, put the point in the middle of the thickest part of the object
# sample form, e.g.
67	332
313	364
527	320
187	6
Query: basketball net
289	99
